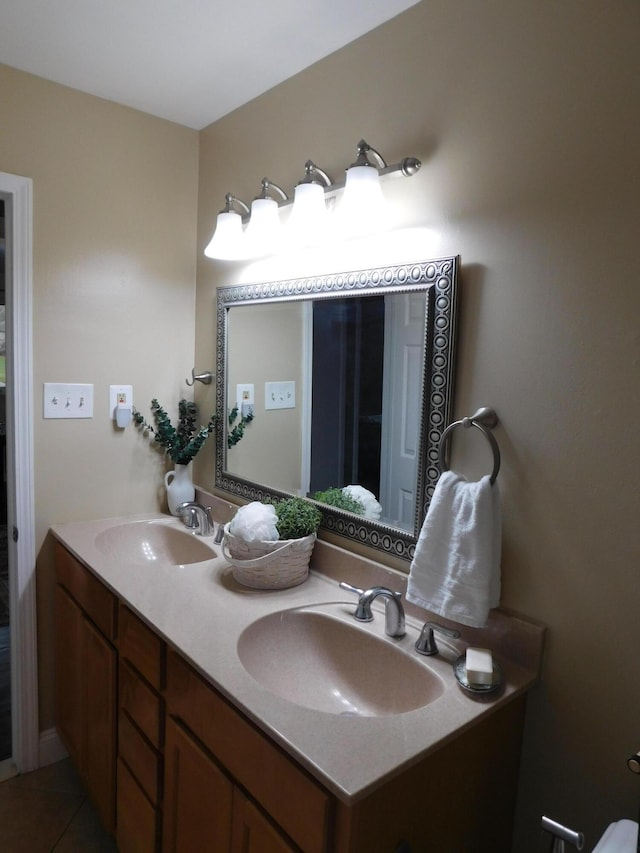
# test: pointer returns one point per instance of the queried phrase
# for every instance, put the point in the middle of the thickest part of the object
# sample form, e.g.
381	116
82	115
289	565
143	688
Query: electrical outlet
245	394
67	400
280	395
122	394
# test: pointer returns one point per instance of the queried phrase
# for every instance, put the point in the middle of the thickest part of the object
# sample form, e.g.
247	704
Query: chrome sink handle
426	642
393	609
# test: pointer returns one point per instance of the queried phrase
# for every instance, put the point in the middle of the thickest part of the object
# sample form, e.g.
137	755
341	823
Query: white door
401	407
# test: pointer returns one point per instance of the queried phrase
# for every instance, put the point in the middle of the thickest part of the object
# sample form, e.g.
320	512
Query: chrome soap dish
460	672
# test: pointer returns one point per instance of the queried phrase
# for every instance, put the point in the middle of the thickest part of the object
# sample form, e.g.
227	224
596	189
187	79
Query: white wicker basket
276	564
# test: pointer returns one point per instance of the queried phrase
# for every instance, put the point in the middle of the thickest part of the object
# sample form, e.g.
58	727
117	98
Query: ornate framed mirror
350	377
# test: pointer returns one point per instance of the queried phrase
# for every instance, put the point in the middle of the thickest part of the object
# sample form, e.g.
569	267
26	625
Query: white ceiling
189	61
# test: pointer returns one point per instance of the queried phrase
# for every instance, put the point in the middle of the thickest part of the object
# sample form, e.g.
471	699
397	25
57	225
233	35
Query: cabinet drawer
137	828
140	645
141	703
92	596
284	790
143	760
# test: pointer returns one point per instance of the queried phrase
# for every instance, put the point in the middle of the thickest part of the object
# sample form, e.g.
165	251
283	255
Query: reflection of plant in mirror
336	497
236	433
183	442
297	518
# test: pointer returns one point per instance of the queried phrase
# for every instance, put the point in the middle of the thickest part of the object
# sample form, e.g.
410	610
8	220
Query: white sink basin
153	542
317	660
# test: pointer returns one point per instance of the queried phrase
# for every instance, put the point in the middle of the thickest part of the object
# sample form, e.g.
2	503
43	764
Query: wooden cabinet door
69	665
86	702
198	798
100	713
252	832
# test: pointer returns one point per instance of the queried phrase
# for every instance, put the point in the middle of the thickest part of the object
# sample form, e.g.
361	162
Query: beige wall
525	116
114	222
259	351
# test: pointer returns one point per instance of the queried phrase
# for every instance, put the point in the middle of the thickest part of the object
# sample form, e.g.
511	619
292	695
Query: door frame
17	193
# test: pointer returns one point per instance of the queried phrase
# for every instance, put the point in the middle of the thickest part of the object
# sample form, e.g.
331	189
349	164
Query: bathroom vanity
183	749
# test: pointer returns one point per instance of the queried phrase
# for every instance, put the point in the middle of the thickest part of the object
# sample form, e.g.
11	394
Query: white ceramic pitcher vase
179	487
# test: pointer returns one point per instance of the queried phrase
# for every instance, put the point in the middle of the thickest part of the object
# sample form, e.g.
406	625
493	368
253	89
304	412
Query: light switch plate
280	395
67	400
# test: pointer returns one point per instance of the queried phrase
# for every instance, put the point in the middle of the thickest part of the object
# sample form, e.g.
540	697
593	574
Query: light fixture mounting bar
407	167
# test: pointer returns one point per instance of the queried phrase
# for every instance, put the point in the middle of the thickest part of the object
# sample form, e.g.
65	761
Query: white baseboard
51	748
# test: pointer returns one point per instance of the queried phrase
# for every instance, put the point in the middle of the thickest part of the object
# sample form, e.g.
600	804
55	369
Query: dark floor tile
48	810
34	821
86	834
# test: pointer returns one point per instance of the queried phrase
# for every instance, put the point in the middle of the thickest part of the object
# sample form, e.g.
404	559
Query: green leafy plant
236	432
297	517
183	442
336	497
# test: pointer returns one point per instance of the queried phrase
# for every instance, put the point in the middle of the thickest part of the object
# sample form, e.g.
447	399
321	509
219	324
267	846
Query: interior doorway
16	197
5	639
346	413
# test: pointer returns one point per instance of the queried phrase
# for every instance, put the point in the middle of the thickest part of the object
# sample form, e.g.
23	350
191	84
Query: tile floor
48	810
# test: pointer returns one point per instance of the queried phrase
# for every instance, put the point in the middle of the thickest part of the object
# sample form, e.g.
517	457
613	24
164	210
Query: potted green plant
269	545
181	444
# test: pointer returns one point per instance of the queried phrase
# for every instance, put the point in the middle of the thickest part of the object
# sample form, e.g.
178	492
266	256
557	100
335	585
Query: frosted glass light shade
362	209
264	231
227	243
309	221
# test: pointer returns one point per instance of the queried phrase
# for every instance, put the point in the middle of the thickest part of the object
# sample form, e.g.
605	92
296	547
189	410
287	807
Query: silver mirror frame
438	278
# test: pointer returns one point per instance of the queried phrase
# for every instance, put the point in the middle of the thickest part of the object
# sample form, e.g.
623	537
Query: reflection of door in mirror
404	340
348	342
368	361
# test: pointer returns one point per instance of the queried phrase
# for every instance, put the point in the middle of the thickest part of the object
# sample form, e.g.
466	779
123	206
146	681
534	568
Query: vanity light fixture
264	231
228	242
308	223
360	211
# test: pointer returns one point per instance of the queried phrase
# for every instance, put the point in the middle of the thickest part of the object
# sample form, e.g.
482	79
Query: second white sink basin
315	659
153	542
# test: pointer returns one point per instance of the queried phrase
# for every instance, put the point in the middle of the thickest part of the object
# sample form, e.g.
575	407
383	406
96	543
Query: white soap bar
479	666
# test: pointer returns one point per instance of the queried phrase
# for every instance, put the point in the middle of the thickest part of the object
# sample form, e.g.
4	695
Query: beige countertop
201	611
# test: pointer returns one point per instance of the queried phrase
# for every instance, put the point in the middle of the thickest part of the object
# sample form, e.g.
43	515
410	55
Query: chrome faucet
198	517
393	609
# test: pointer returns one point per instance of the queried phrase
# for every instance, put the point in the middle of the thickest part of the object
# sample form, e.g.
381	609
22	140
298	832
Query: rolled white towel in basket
455	572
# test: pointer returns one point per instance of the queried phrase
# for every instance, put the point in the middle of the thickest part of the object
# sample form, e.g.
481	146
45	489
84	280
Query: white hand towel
456	568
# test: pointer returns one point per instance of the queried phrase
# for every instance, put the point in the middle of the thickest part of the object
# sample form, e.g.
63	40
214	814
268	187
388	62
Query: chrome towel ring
485	420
